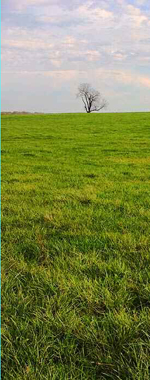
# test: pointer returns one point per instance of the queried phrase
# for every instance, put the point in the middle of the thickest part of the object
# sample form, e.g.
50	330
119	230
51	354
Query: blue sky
49	47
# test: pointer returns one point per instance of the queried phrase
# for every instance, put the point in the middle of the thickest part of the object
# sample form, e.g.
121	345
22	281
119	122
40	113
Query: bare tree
91	98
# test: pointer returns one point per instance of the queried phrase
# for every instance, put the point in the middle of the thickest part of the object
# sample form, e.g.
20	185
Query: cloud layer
49	47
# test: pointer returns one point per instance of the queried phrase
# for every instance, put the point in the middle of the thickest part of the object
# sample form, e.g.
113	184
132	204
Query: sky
49	47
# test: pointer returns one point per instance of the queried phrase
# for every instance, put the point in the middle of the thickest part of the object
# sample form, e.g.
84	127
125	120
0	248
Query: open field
76	247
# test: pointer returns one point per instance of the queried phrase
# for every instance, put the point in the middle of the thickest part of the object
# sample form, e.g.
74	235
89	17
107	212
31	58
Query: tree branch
91	98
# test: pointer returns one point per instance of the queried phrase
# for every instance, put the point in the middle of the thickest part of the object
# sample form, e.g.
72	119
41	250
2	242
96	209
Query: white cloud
145	81
83	15
131	78
106	41
94	14
141	2
136	16
24	4
119	55
106	74
31	44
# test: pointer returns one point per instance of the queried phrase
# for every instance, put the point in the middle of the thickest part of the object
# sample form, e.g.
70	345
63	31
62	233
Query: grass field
76	247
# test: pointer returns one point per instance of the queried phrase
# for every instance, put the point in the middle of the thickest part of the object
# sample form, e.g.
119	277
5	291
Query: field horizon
76	246
70	113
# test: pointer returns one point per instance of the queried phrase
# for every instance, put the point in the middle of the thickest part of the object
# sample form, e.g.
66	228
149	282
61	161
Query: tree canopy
91	98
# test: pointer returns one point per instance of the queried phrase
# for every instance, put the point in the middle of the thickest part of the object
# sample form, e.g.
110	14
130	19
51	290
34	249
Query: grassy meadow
76	247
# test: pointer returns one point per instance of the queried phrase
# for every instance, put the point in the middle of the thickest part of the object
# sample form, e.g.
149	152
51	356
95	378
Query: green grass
76	247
